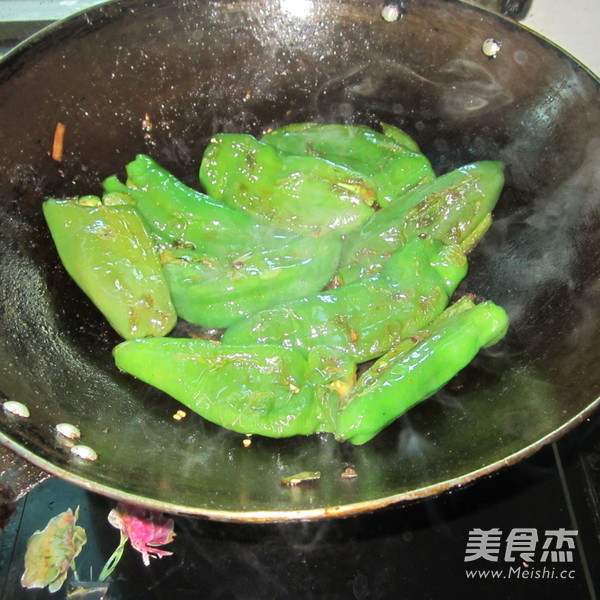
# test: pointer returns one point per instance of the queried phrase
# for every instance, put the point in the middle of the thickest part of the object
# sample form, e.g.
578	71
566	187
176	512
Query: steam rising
470	88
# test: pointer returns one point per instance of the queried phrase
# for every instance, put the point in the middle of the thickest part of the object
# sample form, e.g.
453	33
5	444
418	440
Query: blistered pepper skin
393	167
366	317
333	374
219	263
305	194
455	208
254	389
218	291
178	215
417	368
107	250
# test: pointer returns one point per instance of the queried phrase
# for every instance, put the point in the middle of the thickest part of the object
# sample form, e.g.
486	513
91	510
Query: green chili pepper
454	208
399	137
418	367
298	193
179	216
333	374
218	291
393	167
219	263
255	257
105	247
366	317
256	389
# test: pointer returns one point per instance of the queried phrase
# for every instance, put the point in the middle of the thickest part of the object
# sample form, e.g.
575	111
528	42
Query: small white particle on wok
68	430
16	408
390	13
491	47
84	452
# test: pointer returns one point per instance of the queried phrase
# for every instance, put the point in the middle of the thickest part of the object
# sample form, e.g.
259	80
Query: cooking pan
162	76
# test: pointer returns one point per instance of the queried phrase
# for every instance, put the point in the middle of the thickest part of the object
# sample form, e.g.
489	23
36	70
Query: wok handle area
516	9
17	478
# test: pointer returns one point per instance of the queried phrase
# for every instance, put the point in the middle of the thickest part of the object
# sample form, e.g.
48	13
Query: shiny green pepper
333	374
399	137
256	389
454	208
418	367
105	247
219	263
218	291
392	166
179	216
299	193
366	317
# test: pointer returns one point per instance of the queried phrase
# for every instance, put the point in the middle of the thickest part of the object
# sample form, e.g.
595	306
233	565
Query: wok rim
104	4
309	514
306	514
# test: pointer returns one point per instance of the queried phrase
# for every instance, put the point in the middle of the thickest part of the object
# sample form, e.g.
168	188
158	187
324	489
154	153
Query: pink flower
144	528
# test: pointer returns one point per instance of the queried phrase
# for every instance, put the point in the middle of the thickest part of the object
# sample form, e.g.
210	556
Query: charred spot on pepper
182	244
312	151
365	193
250	160
349	473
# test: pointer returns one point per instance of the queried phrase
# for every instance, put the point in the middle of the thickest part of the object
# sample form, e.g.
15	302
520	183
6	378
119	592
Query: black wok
195	68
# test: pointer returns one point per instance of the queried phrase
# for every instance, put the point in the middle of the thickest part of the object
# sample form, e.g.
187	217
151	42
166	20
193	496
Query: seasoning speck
349	473
147	124
58	142
68	431
16	408
84	452
491	47
303	477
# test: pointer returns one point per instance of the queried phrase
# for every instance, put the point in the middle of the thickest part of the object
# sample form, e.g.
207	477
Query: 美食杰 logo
521	553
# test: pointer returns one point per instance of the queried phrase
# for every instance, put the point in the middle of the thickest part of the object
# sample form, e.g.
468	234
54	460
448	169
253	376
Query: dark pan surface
196	68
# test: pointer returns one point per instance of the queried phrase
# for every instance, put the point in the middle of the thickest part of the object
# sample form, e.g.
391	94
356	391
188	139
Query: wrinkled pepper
365	317
105	247
298	193
255	389
418	367
454	208
393	167
281	217
178	215
218	291
219	263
